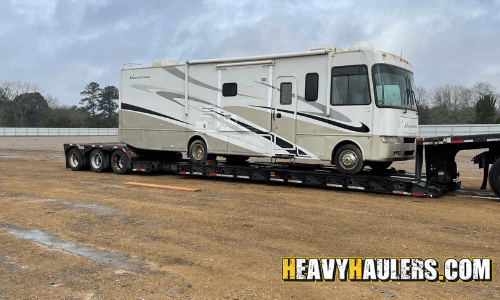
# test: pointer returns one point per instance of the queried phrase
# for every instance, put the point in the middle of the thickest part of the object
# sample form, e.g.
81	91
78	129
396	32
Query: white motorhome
351	108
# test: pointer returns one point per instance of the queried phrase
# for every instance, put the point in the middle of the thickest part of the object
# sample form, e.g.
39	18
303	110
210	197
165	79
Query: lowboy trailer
441	170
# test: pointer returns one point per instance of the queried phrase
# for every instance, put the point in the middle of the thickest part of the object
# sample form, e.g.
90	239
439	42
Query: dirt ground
82	235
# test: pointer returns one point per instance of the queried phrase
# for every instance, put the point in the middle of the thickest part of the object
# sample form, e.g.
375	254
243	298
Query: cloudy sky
63	45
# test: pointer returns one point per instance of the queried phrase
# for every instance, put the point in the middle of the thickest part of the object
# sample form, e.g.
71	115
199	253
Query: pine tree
90	102
485	110
108	103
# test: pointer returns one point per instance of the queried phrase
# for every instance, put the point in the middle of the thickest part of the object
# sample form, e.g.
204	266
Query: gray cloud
64	45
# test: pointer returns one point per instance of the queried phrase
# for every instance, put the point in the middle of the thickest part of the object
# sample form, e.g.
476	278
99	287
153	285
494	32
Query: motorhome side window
229	89
312	81
286	93
350	85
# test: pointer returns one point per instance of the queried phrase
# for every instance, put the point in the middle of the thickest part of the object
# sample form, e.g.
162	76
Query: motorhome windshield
394	87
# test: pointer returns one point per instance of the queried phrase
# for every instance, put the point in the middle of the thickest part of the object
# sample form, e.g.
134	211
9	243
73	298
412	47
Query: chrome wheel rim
96	161
118	162
198	152
73	160
348	159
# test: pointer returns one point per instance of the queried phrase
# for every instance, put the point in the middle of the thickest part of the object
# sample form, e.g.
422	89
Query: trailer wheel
379	165
236	159
119	162
198	153
348	159
99	161
75	159
494	178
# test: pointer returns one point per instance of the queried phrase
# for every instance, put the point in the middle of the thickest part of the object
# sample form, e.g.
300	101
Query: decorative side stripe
131	107
363	128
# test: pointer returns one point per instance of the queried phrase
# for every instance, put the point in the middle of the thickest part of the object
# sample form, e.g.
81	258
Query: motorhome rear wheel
198	152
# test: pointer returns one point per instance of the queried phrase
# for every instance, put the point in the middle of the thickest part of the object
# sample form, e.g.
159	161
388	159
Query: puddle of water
115	259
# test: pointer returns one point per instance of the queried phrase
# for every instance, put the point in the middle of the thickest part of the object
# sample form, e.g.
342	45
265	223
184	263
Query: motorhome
352	108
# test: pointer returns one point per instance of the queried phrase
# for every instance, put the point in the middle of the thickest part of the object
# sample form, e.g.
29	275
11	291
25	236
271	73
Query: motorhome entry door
284	115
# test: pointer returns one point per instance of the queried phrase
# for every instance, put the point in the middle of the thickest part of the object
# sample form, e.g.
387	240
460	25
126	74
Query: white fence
462	129
423	130
19	131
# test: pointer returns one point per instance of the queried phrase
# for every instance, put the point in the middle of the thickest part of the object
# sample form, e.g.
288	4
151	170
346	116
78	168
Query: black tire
494	178
379	165
348	159
75	159
119	162
98	161
236	159
198	153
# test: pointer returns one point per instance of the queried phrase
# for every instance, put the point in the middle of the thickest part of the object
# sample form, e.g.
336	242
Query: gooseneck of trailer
441	168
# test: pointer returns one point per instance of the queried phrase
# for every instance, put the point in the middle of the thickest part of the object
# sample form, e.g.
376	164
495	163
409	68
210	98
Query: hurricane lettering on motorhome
361	110
139	77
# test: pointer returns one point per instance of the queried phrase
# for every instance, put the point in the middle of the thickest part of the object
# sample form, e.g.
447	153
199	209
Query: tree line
458	104
23	104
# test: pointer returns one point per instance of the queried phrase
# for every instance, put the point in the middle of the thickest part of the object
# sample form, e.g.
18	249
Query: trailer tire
119	162
236	159
348	159
494	178
99	161
379	166
198	153
75	159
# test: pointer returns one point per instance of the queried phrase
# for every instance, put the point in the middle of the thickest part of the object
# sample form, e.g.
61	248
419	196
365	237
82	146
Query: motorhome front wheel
348	159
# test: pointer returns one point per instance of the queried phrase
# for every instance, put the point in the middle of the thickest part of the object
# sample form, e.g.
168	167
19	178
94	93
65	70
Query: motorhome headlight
390	139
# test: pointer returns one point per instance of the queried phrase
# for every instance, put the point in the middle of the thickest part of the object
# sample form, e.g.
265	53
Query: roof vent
361	46
333	48
164	63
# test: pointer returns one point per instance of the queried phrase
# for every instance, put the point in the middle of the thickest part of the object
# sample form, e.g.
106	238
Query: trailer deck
441	169
390	181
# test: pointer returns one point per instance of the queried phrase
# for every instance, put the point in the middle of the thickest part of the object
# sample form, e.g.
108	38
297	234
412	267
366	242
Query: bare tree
23	96
482	89
422	97
53	102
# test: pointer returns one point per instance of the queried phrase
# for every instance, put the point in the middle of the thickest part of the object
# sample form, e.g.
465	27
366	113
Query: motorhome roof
356	46
257	58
